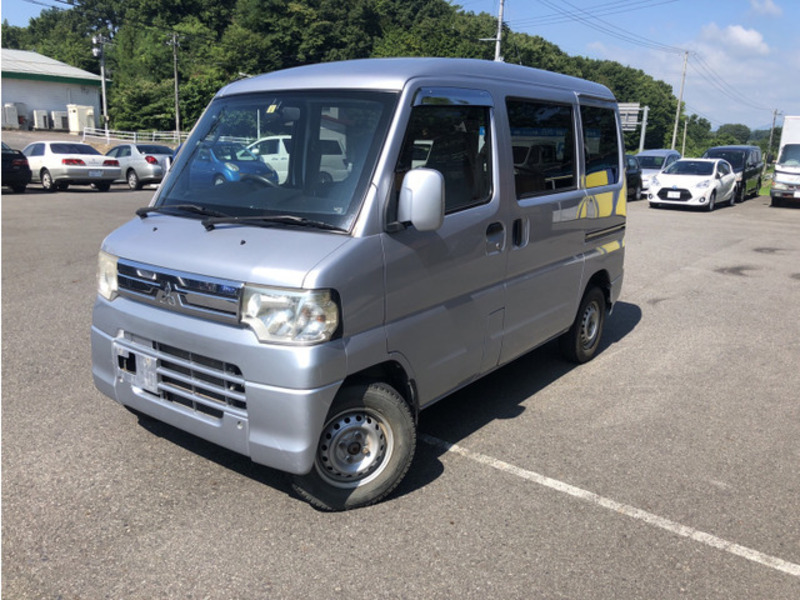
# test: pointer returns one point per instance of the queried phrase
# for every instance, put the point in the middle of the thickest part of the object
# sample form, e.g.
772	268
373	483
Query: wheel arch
602	280
393	373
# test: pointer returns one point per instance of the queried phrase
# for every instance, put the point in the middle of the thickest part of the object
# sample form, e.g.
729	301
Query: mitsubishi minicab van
305	321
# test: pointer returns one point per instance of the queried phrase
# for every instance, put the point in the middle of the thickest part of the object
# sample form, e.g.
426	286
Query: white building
41	93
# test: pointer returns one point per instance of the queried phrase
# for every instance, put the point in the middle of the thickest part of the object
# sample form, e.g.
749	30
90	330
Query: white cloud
766	7
735	39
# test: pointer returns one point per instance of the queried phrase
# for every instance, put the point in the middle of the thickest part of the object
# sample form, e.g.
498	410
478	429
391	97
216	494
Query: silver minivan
305	323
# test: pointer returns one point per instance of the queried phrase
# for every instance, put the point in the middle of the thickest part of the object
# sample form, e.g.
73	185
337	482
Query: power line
599	10
587	18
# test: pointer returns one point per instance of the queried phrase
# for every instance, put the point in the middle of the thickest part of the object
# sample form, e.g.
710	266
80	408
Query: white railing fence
110	135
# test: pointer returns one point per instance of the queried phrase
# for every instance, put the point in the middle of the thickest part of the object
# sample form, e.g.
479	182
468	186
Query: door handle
495	238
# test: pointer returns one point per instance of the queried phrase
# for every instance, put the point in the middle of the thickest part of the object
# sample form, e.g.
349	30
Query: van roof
392	74
658	152
733	147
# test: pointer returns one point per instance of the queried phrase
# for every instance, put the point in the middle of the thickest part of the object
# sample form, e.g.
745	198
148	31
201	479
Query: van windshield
306	155
735	157
790	155
651	162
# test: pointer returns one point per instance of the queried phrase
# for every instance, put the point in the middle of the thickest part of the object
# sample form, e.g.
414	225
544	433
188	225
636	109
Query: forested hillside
222	40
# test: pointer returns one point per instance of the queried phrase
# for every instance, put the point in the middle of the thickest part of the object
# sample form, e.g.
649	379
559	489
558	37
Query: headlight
231	167
654	181
777	185
703	184
107	275
290	316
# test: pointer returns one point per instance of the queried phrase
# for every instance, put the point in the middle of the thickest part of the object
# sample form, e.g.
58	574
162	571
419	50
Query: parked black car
16	172
747	164
633	177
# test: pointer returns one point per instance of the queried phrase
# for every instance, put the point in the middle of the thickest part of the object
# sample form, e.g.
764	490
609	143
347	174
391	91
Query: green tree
739	134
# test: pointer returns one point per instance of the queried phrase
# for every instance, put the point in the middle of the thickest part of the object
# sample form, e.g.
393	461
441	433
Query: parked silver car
141	164
57	165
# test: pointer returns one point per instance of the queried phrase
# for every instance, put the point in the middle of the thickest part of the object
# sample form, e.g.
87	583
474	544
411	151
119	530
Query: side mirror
421	201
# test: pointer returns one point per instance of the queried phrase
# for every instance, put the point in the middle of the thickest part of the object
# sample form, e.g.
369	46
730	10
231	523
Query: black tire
133	180
712	201
102	187
48	185
581	342
19	189
365	449
741	193
219	180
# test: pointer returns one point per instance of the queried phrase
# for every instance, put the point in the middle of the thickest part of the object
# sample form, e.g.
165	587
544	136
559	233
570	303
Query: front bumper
216	381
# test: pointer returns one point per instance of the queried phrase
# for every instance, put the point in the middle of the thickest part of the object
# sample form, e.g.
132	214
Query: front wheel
581	342
364	451
712	201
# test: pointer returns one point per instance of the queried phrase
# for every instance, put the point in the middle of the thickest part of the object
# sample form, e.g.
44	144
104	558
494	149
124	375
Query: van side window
601	146
542	143
455	141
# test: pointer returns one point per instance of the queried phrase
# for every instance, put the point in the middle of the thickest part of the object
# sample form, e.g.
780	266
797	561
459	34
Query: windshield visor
308	155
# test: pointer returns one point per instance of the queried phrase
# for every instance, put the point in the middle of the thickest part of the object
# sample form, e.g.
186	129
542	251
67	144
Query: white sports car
700	182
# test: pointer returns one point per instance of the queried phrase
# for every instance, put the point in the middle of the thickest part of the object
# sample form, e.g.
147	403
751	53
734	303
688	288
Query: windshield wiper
212	221
170	208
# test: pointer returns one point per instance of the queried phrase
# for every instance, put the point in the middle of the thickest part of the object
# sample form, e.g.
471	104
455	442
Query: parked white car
694	182
141	164
57	165
275	151
652	162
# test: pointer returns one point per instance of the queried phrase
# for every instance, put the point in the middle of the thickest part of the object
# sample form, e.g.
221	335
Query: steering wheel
258	179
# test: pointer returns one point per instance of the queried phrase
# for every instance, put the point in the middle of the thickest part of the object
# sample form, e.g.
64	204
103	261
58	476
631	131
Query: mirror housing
421	201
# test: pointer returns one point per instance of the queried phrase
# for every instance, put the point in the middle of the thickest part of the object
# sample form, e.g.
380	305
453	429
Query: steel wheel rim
133	180
590	325
354	448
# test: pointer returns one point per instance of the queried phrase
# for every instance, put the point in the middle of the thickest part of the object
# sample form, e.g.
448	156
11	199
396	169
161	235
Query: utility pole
769	146
497	56
685	127
644	127
99	50
680	100
174	43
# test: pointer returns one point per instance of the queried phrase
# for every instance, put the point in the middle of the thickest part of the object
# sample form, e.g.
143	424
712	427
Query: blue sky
744	59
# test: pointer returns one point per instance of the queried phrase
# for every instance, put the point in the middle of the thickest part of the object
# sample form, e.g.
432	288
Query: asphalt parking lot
665	468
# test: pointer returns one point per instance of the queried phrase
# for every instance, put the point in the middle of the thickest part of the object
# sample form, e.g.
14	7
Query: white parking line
688	532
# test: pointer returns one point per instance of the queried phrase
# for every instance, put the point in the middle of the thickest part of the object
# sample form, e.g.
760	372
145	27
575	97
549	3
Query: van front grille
203	384
195	295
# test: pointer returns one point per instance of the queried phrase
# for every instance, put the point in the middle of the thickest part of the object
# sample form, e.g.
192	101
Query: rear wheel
47	181
581	342
19	188
364	451
102	187
133	180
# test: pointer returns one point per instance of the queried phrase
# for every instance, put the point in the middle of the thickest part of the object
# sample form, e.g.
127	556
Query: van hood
275	256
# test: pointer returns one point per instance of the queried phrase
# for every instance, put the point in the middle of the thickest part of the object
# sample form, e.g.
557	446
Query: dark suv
746	162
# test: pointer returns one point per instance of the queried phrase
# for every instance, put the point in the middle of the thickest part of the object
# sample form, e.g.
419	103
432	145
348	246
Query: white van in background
275	150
